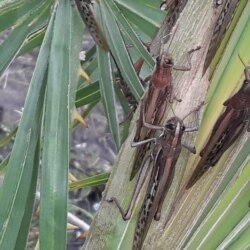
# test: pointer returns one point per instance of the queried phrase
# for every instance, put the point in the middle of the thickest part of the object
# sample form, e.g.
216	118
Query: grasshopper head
246	83
165	60
173	124
246	86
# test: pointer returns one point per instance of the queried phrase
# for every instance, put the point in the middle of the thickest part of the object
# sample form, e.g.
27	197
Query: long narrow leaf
239	236
120	53
25	224
92	181
147	16
33	41
114	10
7	138
13	43
88	94
22	168
62	80
4	163
12	11
108	95
223	218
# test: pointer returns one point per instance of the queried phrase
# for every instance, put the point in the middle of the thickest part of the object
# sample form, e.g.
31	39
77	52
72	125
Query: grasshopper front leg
187	68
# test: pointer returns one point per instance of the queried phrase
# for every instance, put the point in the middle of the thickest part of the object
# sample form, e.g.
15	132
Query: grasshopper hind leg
140	182
157	215
125	215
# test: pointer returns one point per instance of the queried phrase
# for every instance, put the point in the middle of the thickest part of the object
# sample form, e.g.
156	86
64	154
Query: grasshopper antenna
164	38
193	110
247	74
163	42
171	40
172	110
241	60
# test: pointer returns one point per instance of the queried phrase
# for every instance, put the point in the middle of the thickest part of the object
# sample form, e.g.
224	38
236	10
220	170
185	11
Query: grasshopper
155	101
226	15
88	17
227	128
174	9
86	12
164	155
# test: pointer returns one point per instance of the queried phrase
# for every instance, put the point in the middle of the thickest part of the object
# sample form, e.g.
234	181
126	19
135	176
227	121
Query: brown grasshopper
174	9
164	155
226	15
133	103
86	12
155	102
227	129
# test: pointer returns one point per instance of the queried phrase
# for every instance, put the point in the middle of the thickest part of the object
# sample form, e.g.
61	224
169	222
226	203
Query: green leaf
4	163
25	223
223	217
13	43
120	53
60	94
92	181
108	95
114	10
128	113
145	15
35	40
7	138
11	12
22	167
88	94
235	166
239	236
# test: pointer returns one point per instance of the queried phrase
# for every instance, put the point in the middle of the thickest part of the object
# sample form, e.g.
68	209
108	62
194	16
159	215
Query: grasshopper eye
246	86
158	59
171	126
183	128
167	62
